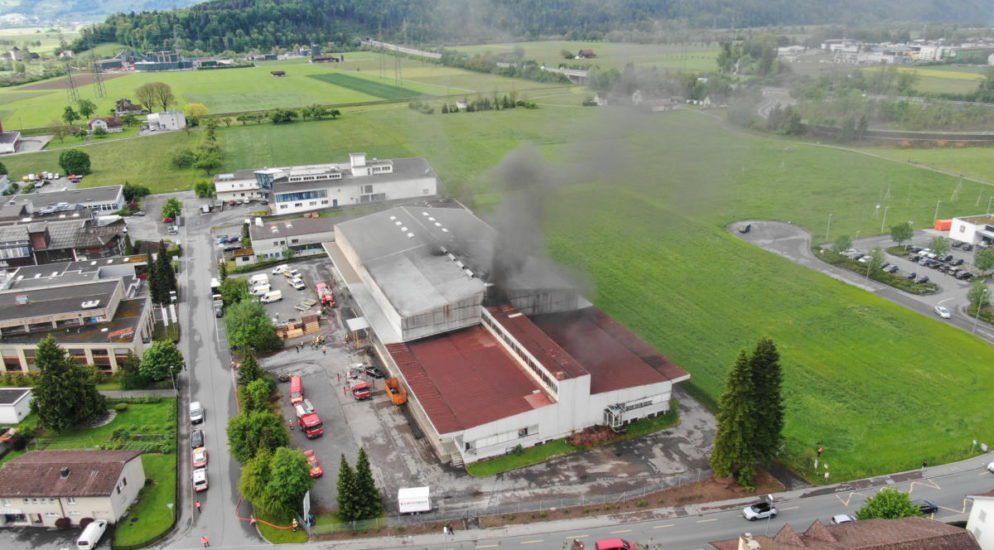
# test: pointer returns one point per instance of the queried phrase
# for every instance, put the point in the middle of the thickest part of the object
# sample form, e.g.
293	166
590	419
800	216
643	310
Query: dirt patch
592	436
708	490
81	79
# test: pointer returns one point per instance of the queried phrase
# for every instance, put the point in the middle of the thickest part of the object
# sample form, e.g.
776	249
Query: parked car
967	247
914	249
200	480
196	412
959	261
280	269
926	506
947	258
891	269
138	213
990	467
91	535
375	372
759	510
222	239
197	439
842	518
964	275
316	469
941	311
298	284
612	544
200	457
912	276
922	279
168	220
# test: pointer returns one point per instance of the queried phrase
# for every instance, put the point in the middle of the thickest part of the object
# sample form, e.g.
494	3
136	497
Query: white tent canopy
411	500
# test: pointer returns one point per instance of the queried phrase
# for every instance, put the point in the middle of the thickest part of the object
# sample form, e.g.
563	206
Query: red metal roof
614	356
465	378
554	358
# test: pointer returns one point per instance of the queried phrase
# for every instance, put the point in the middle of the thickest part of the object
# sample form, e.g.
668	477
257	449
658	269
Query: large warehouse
490	364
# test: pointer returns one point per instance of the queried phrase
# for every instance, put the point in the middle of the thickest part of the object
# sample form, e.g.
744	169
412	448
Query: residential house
981	521
111	124
15	405
873	534
41	487
15	54
123	107
166	120
303	236
98	310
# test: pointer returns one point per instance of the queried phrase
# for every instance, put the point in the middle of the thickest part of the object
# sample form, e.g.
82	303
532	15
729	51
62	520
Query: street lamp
829	226
936	215
884	222
989	204
980	305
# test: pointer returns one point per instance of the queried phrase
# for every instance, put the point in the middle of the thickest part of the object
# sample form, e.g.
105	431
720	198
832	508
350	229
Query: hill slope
241	25
52	11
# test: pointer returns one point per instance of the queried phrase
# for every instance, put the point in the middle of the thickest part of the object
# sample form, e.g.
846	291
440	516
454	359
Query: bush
74	161
120	407
99	132
63	523
84	522
182	157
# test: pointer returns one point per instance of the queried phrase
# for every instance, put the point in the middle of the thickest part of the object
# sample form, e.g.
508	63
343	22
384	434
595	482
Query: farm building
8	140
973	229
166	120
494	358
107	124
314	187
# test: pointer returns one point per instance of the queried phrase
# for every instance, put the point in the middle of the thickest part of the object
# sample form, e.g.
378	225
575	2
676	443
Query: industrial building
497	352
302	236
102	200
60	237
98	310
973	229
296	189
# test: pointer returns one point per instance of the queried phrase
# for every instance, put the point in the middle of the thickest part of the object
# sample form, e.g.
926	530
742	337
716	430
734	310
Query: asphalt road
208	379
794	243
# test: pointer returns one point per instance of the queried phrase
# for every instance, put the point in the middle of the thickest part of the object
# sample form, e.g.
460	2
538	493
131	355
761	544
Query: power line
71	85
98	80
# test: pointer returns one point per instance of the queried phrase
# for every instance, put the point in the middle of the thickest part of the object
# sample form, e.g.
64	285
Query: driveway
794	243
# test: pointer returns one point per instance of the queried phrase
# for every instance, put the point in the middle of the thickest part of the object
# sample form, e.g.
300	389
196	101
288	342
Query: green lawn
944	79
254	88
280	536
877	385
975	162
365	86
25	36
680	57
154	512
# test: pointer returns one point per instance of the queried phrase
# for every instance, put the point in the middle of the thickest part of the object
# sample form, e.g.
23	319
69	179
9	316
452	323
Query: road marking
926	483
848	499
620	531
791	508
536	541
709	520
487	546
663	526
578	537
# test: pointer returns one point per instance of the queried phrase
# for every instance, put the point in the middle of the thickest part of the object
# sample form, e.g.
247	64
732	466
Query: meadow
49	38
952	79
976	162
678	57
363	76
879	386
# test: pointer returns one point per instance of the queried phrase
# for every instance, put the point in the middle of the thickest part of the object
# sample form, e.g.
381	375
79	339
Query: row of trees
750	415
358	497
207	156
161	276
285	116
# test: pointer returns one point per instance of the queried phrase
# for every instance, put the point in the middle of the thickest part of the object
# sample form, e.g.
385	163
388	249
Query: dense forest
242	25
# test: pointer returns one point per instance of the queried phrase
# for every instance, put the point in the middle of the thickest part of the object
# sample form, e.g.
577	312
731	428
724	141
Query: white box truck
413	500
260	279
271	296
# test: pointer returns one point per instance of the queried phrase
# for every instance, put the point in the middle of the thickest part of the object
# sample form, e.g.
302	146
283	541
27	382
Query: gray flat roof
237	175
128	316
55	299
106	193
9	137
292	228
401	248
403	169
9	396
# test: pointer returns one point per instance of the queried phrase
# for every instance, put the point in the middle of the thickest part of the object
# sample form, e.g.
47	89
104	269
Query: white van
260	290
90	536
280	269
259	279
270	297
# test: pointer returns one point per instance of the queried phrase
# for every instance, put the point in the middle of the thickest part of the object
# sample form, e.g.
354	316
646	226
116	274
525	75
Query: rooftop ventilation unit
438	224
393	217
431	218
410	235
444	230
424	213
403	229
398	223
64	472
90	304
468	273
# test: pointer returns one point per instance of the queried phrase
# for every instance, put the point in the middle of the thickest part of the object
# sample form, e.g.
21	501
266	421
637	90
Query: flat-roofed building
238	185
102	200
98	310
973	229
493	360
304	236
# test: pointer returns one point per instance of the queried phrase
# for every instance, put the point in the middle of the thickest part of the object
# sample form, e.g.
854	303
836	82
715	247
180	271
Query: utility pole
884	221
936	215
829	226
71	85
98	81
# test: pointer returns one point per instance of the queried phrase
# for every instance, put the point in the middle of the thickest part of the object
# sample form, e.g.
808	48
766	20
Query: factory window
367	189
324	201
71	500
301	196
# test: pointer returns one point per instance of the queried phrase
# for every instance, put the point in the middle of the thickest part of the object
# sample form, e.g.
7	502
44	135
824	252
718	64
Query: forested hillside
241	25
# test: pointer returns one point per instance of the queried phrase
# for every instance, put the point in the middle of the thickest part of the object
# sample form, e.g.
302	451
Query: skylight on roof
398	223
444	230
438	224
424	213
393	217
403	229
410	235
431	218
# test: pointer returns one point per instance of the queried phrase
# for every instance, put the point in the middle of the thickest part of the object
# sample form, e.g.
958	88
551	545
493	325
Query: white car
200	479
298	284
280	269
760	510
941	311
196	413
842	518
990	467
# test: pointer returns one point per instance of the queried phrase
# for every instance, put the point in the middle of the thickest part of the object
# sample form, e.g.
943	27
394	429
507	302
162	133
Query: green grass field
975	162
877	385
365	86
49	38
364	76
690	57
944	79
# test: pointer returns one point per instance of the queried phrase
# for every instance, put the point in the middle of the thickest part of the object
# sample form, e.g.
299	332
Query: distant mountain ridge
242	25
25	12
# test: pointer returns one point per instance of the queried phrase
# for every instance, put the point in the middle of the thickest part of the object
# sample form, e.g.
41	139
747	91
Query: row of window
301	205
521	353
318	177
301	195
